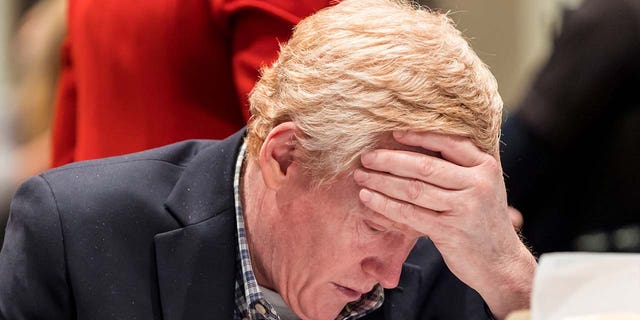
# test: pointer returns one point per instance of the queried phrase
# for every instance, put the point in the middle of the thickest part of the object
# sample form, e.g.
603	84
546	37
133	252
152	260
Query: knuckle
492	164
425	167
414	190
407	211
387	205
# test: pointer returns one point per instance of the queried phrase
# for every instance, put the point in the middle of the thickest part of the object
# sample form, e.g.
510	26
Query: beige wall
6	163
512	36
5	22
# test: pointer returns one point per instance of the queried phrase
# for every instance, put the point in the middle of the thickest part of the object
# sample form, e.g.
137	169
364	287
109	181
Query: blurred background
562	209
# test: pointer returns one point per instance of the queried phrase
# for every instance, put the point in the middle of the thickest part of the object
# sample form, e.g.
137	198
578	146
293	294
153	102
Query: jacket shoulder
177	154
122	188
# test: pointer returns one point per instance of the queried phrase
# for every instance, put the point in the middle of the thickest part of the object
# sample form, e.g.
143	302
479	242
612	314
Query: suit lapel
196	264
196	269
402	302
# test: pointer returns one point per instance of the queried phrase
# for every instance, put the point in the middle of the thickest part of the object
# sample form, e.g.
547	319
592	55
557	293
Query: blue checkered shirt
250	301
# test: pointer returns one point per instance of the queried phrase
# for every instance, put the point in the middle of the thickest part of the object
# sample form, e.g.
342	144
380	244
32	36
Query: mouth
352	294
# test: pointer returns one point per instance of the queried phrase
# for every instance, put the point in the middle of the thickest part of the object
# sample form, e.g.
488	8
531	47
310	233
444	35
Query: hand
459	202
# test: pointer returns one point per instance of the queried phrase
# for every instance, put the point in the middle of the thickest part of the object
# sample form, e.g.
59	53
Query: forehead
344	204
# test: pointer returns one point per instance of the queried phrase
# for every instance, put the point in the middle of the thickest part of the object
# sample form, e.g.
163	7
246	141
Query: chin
316	309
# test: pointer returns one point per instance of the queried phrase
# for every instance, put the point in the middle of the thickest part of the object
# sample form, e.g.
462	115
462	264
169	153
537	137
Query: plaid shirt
250	301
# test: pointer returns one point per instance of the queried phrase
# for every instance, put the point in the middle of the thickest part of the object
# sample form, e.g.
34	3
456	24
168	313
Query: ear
276	154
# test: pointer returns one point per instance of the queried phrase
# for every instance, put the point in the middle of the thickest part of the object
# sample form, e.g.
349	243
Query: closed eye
374	227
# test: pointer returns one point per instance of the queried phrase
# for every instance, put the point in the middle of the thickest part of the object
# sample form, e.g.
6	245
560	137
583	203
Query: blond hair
352	73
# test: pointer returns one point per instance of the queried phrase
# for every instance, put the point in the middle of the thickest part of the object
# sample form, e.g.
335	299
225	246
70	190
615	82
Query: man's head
349	76
352	73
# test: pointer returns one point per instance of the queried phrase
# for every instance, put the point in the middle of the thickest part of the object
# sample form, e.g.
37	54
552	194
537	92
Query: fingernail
360	176
400	133
365	195
368	157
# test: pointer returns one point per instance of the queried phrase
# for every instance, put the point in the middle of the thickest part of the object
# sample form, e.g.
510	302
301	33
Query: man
376	126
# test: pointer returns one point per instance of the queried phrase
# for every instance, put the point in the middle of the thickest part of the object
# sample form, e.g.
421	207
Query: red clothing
141	74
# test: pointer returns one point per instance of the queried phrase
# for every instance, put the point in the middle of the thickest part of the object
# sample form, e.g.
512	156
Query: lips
352	294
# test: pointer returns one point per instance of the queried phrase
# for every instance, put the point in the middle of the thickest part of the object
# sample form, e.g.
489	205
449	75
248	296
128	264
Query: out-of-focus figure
140	74
572	148
35	59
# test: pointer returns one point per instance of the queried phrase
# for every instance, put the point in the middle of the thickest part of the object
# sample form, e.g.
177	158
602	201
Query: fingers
417	218
456	149
380	222
416	188
408	190
418	166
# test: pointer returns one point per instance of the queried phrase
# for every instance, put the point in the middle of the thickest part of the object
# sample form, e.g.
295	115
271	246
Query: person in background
141	74
367	185
35	66
572	148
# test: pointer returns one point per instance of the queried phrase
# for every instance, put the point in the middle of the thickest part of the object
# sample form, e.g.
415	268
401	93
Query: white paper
593	286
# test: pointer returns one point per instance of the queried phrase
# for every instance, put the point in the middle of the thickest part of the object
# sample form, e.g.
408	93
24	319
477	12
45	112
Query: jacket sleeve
255	44
64	113
256	28
450	298
33	282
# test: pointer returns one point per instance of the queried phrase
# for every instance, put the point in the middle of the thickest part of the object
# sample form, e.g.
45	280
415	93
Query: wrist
509	288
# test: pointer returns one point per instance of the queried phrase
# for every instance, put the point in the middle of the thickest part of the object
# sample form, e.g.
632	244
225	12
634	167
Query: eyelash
373	227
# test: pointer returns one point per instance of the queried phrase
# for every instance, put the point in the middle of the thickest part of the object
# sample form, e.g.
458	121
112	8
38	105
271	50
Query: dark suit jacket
152	235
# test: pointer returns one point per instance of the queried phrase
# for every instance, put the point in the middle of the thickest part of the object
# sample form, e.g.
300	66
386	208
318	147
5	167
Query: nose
387	274
385	265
